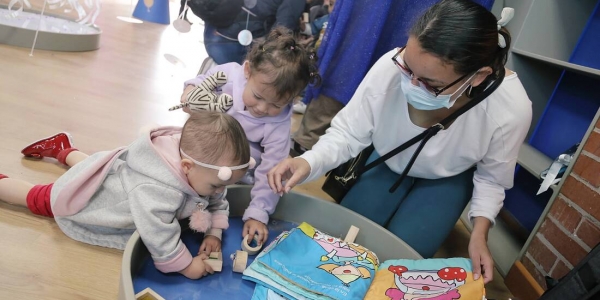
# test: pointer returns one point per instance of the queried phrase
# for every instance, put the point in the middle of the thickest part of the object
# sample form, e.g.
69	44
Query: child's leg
14	191
22	193
74	156
58	146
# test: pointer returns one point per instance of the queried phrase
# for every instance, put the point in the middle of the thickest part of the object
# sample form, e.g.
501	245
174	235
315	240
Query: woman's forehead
427	65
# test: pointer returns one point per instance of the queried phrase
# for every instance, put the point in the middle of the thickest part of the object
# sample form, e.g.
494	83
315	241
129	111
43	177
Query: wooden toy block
351	235
216	255
215	260
240	261
148	294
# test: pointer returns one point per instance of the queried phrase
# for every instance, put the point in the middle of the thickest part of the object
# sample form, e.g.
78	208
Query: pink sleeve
177	263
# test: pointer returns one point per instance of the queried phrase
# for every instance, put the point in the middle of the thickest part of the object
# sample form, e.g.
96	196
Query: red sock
62	155
38	200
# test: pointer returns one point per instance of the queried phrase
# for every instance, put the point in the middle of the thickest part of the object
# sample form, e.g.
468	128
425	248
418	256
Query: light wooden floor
102	98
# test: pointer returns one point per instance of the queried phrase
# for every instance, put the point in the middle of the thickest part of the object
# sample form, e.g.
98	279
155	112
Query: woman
454	51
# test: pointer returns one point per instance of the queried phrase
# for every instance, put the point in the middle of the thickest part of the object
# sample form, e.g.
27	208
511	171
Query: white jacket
487	136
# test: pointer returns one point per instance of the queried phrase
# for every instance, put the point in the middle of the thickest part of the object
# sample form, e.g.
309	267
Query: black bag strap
432	131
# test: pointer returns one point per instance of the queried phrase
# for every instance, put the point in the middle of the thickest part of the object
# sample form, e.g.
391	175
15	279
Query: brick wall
572	227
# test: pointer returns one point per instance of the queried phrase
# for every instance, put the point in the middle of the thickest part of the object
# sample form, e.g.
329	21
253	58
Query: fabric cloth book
305	263
426	279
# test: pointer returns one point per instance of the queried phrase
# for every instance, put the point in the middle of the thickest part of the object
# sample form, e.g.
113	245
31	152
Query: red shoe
49	147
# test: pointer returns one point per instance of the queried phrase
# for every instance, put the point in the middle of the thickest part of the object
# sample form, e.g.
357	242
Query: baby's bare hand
210	244
198	268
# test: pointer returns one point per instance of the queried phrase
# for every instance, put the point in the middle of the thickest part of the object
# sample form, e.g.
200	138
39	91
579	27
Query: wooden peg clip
351	235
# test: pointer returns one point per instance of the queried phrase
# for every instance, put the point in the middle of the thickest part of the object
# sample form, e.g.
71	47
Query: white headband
224	172
507	14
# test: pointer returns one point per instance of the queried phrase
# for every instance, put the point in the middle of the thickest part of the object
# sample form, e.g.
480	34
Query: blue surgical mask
423	100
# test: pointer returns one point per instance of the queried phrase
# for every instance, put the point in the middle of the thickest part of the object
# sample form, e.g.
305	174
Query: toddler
168	173
275	71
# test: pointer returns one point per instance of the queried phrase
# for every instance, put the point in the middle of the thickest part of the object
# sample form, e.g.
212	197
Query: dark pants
222	50
317	118
421	212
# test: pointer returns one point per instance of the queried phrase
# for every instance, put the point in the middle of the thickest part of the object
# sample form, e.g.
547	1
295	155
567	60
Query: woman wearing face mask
454	51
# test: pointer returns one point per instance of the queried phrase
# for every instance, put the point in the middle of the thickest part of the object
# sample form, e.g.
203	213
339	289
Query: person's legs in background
181	8
430	211
221	49
300	107
370	195
317	118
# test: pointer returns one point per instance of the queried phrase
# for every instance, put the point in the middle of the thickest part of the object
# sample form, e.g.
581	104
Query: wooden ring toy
246	245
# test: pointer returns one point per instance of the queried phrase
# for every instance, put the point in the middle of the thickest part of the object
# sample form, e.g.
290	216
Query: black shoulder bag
341	179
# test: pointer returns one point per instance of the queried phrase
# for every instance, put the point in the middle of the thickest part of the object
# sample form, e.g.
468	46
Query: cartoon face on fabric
348	262
426	285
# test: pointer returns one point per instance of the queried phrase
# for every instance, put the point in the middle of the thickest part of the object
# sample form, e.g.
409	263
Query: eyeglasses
406	72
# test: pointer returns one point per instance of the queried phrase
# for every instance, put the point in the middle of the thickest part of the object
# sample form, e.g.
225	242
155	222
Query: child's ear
247	69
186	165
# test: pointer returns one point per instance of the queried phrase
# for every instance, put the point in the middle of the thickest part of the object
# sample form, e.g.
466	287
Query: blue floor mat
221	285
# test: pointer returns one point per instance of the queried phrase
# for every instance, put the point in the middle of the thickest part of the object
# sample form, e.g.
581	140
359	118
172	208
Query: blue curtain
360	32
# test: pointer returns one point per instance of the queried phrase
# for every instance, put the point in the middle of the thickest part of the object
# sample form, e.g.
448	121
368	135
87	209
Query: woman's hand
253	227
197	269
184	98
292	170
483	264
210	244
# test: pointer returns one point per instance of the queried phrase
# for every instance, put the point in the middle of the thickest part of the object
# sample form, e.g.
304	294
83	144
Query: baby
167	174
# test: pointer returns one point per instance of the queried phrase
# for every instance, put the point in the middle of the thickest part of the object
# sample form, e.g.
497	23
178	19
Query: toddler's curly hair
291	64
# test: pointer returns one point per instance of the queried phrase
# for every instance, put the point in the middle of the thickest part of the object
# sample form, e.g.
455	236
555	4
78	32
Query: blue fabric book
308	264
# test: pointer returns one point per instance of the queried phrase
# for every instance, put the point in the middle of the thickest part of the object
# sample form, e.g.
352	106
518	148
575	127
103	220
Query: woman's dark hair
291	64
464	34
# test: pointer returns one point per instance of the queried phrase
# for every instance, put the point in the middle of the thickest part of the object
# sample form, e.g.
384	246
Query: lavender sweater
269	139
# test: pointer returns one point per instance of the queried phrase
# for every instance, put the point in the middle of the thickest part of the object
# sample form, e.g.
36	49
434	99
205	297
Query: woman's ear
481	75
186	165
